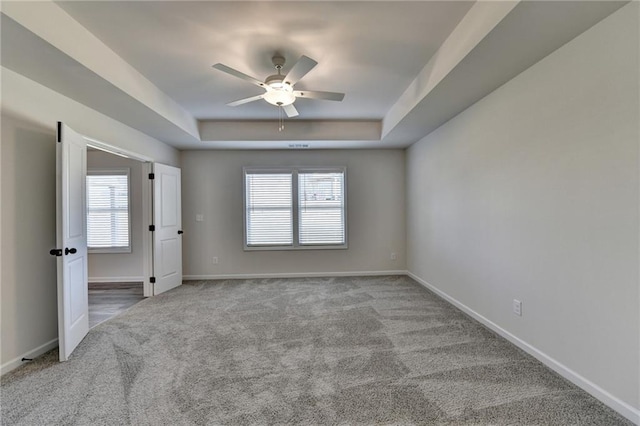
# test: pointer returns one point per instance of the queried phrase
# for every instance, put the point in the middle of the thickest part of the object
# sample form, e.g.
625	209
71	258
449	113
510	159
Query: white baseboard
607	398
17	361
115	279
293	275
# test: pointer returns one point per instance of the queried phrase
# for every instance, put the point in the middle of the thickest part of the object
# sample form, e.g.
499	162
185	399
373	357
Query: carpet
313	351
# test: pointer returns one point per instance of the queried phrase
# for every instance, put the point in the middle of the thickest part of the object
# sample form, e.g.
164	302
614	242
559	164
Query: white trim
116	279
293	275
115	150
147	240
607	398
17	361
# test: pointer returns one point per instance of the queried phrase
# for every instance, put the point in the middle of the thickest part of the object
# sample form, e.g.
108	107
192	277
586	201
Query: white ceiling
370	51
384	55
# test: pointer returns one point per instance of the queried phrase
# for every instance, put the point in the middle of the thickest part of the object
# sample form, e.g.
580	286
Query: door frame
147	205
165	232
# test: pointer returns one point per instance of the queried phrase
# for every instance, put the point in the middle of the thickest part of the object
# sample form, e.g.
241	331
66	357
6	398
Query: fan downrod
278	62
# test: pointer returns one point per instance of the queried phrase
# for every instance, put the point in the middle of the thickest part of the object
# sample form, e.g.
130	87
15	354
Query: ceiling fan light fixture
279	94
279	88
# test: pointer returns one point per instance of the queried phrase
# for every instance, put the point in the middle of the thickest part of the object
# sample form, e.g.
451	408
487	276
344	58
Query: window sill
109	250
296	248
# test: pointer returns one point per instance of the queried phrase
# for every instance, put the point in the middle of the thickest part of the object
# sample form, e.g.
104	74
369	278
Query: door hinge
59	132
152	228
152	176
152	280
55	252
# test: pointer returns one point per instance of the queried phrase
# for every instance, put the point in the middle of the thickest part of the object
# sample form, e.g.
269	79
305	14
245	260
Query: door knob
70	250
180	232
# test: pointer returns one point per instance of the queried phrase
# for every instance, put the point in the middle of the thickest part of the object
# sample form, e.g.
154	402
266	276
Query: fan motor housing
275	81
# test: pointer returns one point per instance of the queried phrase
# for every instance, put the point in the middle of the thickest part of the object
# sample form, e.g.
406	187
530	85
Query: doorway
162	253
115	233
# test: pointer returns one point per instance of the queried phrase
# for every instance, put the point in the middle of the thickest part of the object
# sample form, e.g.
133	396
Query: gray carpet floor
374	350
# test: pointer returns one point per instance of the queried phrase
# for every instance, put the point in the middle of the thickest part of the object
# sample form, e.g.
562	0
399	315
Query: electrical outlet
393	256
199	217
517	307
214	260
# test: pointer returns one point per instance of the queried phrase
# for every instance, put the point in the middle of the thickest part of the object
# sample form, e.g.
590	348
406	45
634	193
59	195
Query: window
269	209
321	208
295	208
108	225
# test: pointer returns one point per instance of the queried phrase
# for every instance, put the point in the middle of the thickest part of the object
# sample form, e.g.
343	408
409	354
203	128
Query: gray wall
27	192
532	194
28	292
212	186
117	267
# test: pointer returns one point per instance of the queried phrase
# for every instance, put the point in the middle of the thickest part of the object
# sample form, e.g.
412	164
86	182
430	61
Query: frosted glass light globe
279	94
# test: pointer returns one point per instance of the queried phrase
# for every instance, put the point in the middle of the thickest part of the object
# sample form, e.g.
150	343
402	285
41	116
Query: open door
167	238
73	305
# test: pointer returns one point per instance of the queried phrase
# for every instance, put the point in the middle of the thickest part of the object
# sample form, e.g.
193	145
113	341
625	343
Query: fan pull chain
280	119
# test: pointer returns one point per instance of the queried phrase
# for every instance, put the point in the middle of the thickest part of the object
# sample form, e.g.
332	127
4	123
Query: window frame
295	207
106	172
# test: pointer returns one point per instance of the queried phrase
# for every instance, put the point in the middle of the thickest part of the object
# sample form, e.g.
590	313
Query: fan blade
245	100
290	110
299	70
236	73
327	96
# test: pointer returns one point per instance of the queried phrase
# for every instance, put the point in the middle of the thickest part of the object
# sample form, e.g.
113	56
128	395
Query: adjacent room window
295	208
108	201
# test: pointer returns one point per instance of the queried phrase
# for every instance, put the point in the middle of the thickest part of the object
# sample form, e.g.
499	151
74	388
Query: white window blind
108	210
295	208
321	208
269	209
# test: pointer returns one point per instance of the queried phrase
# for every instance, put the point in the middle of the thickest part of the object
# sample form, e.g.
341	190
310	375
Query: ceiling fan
279	88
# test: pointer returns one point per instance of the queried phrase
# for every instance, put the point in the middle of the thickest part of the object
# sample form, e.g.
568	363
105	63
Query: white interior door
73	305
167	238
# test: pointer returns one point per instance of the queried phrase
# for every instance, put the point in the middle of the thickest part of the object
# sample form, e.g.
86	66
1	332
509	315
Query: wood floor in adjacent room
107	300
